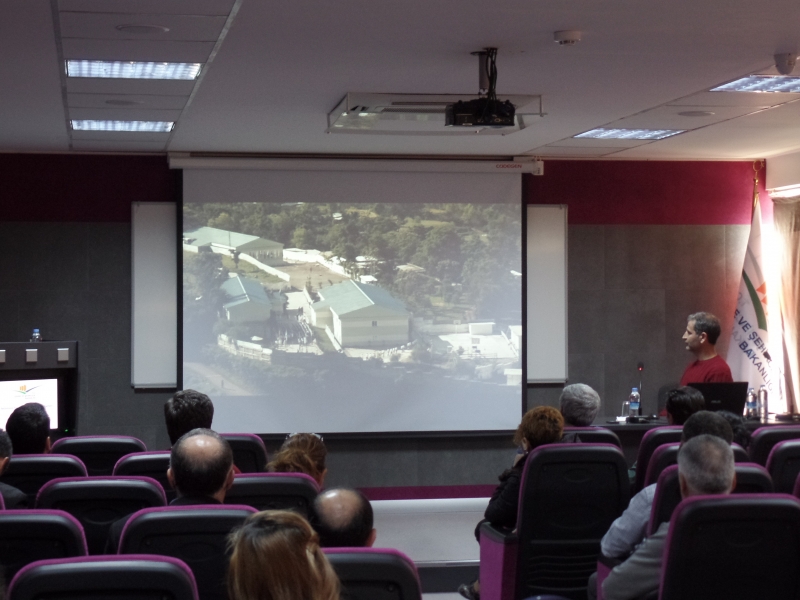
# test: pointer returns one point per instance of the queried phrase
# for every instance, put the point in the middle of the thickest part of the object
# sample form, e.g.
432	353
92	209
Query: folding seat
29	472
147	464
99	452
569	496
651	440
198	535
783	465
765	438
667	454
375	574
274	491
595	435
249	452
31	535
97	502
750	479
130	577
737	546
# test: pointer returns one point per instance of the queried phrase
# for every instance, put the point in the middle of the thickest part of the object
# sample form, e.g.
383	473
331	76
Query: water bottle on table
751	411
36	336
634	401
763	404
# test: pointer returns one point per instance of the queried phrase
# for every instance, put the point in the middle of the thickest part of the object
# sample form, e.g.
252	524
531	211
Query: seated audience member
29	429
200	471
301	453
741	434
12	497
627	531
705	467
579	406
344	519
276	556
187	410
539	426
682	403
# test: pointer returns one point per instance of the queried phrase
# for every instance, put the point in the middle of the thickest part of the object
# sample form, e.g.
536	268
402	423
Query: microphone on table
640	368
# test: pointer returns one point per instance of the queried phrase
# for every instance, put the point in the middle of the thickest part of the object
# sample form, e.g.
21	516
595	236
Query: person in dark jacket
539	426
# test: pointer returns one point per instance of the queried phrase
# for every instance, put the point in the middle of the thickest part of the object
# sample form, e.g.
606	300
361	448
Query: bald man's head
201	464
344	519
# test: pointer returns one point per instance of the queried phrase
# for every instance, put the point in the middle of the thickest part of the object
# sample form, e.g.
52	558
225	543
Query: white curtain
787	228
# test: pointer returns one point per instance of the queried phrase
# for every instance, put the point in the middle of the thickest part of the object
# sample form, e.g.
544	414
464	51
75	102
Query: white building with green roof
221	240
361	315
249	302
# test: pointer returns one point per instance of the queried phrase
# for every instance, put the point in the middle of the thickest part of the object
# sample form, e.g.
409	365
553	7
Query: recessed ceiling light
696	113
143	29
132	70
629	134
123	102
761	83
148	126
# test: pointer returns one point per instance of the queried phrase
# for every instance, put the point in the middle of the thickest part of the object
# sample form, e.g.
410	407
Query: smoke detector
567	38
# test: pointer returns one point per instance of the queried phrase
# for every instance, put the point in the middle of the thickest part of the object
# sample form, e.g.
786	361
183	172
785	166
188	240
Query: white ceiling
275	69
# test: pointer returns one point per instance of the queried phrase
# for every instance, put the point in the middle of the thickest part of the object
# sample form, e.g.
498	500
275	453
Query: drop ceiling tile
136	101
104	26
124	114
561	151
668	117
127	147
177	7
119	136
595	143
734	99
158	87
142	50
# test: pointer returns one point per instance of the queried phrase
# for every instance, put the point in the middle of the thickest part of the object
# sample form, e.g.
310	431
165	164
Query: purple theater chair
375	574
31	535
594	435
667	454
29	472
732	547
135	576
651	440
249	452
765	438
783	465
99	452
274	491
147	464
97	502
569	496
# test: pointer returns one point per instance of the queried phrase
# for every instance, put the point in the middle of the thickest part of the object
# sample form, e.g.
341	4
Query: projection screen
353	301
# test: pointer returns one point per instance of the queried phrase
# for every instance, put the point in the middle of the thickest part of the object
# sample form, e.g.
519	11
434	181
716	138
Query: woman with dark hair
539	426
741	434
301	453
276	556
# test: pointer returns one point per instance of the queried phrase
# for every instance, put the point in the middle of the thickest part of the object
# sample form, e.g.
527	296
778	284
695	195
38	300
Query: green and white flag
748	356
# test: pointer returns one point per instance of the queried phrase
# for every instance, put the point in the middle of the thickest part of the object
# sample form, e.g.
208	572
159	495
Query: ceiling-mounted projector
487	111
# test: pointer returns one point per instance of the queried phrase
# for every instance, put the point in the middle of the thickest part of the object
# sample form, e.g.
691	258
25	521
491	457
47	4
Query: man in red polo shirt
702	332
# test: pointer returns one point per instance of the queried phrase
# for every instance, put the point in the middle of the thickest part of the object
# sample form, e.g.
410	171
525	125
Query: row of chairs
365	574
97	502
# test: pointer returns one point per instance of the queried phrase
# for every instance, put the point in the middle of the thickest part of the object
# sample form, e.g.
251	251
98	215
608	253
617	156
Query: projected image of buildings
306	299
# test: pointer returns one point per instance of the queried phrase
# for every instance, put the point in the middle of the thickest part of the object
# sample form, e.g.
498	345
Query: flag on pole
748	356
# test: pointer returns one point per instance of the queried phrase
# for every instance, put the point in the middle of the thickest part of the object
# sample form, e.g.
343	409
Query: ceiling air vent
418	114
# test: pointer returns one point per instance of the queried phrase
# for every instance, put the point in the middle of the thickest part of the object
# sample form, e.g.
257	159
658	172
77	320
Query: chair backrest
30	535
765	438
667	454
198	535
569	496
750	479
249	452
783	465
97	502
375	574
99	452
140	577
737	546
29	472
651	440
147	464
595	435
274	491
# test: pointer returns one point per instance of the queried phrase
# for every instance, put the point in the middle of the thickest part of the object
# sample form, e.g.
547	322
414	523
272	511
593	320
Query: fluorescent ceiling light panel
134	126
629	134
761	83
132	70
